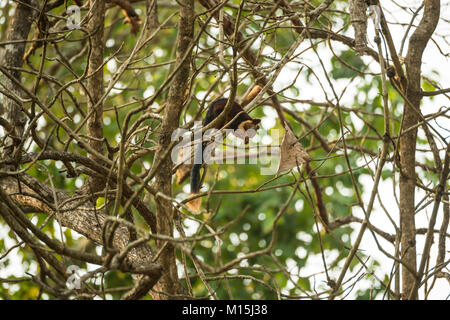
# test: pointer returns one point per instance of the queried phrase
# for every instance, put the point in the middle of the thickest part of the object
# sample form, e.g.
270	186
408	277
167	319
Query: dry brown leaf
292	152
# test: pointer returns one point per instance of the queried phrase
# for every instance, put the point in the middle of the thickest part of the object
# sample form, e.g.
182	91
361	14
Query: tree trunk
11	111
417	44
169	282
95	86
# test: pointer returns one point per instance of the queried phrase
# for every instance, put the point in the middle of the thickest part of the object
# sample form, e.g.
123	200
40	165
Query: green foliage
340	65
297	238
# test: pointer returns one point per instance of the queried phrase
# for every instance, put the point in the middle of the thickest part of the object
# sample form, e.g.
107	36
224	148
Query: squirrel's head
248	129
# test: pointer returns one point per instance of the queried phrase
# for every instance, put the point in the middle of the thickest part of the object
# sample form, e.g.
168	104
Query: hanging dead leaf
292	152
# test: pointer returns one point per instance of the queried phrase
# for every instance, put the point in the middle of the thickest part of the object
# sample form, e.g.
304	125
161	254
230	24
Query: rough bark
169	282
19	29
417	44
359	21
152	16
95	85
78	216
